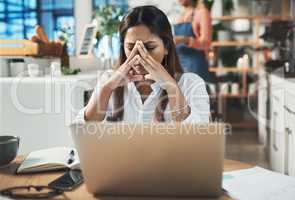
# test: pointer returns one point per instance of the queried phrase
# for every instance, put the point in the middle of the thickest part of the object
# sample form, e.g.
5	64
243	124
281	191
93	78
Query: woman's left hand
155	70
180	109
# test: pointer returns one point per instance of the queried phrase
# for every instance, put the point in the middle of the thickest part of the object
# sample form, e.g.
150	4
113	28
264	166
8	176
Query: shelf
230	18
244	124
232	96
234	43
232	69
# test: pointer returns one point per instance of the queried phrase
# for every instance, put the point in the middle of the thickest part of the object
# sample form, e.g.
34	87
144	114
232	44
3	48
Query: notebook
50	159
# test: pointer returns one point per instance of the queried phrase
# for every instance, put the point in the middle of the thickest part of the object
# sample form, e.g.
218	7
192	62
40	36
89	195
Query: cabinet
290	129
277	132
39	110
282	125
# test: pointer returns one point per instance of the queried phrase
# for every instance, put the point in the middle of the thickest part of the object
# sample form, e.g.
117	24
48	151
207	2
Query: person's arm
192	100
194	89
97	106
98	103
204	37
179	107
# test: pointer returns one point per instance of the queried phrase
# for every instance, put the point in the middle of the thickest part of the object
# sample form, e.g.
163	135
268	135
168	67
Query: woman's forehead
142	33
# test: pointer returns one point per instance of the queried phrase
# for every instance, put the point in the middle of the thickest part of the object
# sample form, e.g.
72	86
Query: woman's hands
156	71
179	107
125	74
127	71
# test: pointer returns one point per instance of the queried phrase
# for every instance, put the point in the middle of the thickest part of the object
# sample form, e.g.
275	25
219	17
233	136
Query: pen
72	157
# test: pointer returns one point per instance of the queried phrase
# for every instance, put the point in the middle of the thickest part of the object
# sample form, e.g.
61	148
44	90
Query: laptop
152	159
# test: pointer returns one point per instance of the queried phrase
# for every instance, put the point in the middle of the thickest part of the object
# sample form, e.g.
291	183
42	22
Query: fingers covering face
132	62
140	55
133	53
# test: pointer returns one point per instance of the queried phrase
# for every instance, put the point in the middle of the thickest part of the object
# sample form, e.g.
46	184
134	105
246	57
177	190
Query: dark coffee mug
8	149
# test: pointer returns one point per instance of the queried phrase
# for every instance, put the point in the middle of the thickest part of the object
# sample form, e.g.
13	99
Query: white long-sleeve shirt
192	86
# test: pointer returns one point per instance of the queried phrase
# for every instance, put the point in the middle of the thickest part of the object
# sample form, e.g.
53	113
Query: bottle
246	61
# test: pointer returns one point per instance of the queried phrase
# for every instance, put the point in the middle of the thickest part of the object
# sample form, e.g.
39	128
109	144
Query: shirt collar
155	86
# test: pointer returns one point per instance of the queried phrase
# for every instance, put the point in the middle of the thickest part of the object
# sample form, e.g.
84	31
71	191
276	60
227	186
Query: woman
148	84
193	33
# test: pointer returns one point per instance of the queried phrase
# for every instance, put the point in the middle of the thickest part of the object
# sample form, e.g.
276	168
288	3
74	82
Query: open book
50	159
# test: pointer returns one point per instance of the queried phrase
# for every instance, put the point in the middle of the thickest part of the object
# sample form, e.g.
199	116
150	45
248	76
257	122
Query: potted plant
107	19
227	6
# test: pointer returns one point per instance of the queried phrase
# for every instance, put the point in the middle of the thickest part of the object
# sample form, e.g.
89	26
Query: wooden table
9	179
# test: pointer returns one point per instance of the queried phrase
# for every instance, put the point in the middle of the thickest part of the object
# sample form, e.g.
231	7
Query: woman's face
185	3
152	43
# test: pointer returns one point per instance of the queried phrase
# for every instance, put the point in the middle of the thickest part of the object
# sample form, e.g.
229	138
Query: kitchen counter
86	75
40	109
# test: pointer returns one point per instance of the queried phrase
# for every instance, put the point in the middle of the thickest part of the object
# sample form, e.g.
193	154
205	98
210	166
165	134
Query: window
19	17
122	3
55	15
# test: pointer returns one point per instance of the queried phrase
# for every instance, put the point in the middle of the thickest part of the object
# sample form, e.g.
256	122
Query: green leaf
108	19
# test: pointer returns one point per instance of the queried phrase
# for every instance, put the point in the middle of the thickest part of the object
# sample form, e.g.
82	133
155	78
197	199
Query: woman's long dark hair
159	25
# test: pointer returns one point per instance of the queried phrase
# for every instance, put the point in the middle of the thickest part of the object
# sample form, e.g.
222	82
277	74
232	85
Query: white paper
259	184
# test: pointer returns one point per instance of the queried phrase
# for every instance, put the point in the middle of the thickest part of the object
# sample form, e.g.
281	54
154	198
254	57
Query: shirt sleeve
80	118
194	90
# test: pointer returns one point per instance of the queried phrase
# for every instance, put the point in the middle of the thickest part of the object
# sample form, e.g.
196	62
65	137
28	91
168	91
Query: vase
108	47
110	44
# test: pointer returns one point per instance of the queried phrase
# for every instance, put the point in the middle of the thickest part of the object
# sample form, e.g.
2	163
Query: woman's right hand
125	73
97	106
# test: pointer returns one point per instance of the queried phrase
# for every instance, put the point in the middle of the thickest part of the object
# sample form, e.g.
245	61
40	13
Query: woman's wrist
171	87
181	113
108	86
180	109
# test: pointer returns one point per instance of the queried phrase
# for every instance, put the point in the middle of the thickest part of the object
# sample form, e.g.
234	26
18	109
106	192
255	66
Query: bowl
8	149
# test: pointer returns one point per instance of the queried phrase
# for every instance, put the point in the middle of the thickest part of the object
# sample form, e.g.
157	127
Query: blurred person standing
192	36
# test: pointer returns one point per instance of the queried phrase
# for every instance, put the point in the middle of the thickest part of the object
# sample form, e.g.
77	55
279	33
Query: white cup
55	69
235	88
17	68
212	89
223	88
33	70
